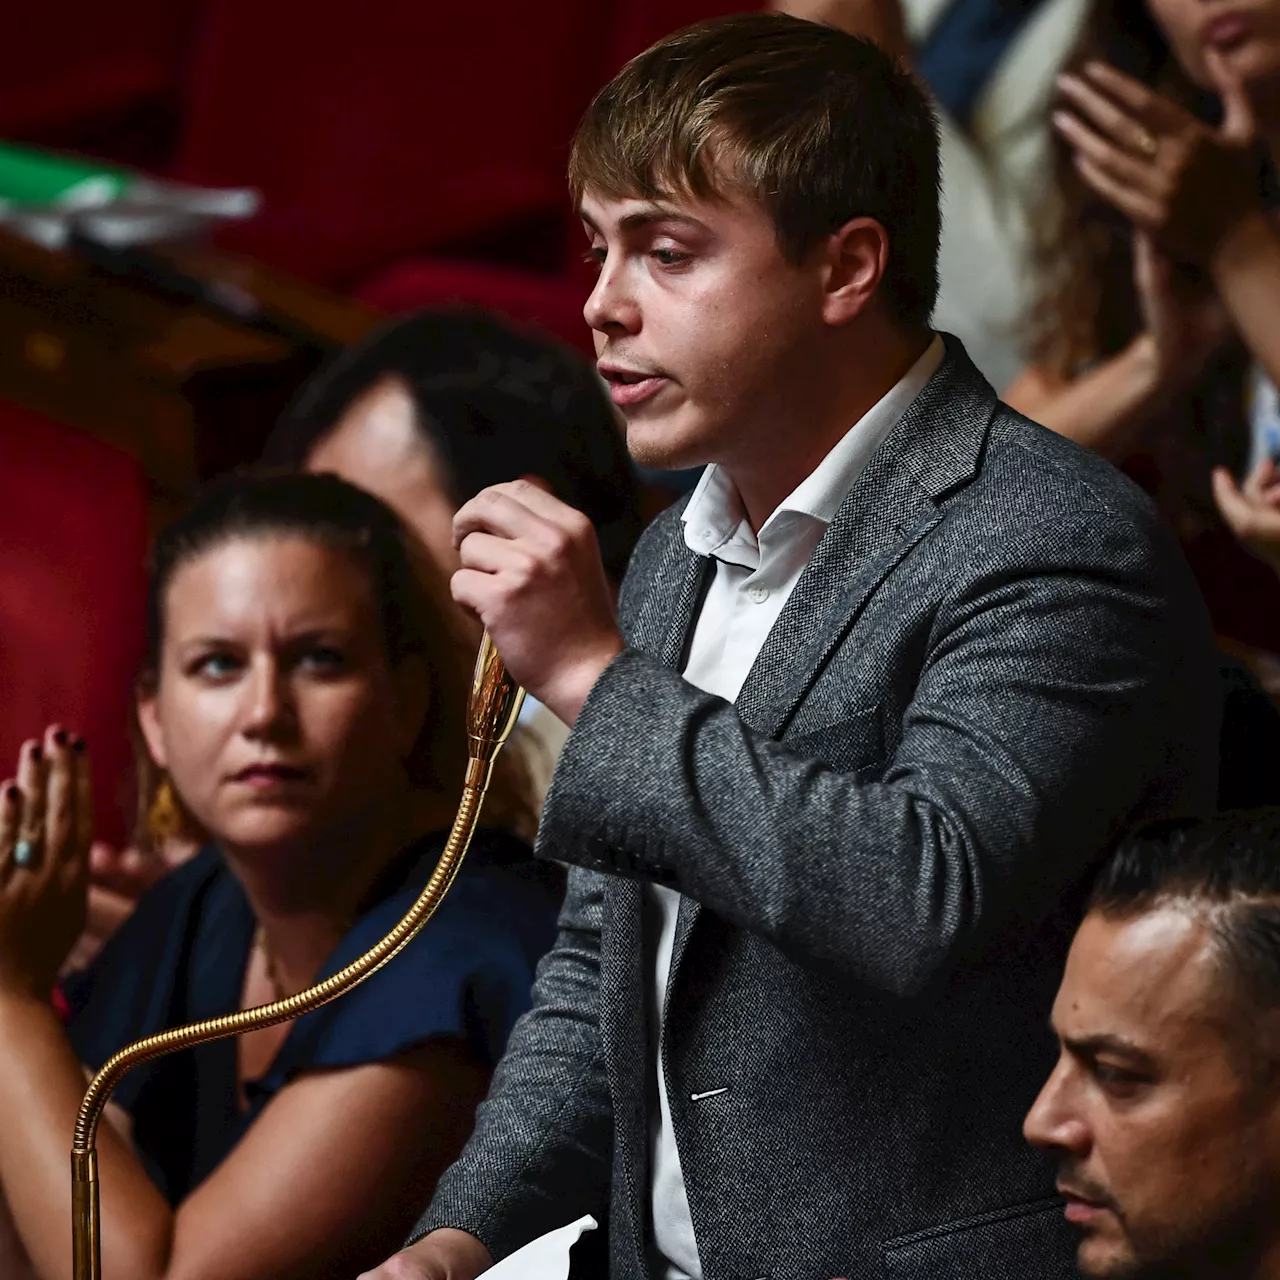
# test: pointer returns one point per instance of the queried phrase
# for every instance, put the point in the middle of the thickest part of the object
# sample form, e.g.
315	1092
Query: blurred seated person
989	67
1159	322
1164	1107
303	696
424	414
436	406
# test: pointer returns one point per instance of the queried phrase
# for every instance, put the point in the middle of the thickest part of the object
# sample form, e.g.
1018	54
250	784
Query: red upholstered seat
386	128
636	24
73	528
553	303
67	62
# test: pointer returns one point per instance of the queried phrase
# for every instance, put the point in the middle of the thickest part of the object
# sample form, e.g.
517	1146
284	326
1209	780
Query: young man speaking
877	699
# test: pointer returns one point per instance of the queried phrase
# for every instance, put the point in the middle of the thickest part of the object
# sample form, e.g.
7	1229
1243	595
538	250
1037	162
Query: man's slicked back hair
1229	866
816	125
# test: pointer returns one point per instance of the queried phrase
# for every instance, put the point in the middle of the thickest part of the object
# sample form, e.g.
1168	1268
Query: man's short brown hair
817	125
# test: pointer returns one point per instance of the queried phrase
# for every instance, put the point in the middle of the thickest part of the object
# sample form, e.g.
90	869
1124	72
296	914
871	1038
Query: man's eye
1117	1079
669	257
595	256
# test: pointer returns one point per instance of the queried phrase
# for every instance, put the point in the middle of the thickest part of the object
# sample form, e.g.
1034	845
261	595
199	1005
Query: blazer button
707	1093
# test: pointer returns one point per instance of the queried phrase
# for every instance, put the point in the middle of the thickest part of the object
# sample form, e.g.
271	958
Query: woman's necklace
272	974
269	965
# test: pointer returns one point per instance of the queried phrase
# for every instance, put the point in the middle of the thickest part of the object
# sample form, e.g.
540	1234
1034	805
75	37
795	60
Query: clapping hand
117	879
1185	318
1173	177
1252	510
46	828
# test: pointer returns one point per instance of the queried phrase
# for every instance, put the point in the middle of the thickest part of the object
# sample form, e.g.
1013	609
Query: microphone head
494	705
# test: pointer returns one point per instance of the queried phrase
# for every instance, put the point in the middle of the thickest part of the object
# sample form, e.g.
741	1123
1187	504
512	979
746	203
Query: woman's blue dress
181	957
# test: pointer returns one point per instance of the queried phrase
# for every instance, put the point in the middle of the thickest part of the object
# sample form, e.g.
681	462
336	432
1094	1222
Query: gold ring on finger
1145	141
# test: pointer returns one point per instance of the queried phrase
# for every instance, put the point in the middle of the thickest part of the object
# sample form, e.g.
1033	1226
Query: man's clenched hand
531	571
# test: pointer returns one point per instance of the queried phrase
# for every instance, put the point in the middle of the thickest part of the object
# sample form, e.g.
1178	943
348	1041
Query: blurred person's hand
131	871
117	879
46	828
1186	321
1252	510
1175	178
879	20
444	1254
106	912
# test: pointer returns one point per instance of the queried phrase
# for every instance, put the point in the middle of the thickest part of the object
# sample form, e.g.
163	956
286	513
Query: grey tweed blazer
995	662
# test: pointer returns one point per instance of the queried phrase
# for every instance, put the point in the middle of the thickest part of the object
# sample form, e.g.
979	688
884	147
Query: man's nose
1054	1123
610	306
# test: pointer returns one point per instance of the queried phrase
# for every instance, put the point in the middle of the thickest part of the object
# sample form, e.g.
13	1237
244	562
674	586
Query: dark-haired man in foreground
1164	1108
878	698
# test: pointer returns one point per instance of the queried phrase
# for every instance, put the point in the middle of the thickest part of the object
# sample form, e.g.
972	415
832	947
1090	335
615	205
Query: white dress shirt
754	575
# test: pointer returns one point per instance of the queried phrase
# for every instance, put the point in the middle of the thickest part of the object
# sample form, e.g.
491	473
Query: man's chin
663	446
1104	1258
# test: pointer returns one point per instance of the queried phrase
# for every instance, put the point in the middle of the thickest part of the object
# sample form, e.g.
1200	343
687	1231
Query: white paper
546	1258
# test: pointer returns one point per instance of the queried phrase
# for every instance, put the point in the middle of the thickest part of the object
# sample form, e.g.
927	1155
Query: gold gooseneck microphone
491	715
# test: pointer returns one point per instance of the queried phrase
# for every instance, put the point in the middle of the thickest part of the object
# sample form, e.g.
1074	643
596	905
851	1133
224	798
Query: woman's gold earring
164	817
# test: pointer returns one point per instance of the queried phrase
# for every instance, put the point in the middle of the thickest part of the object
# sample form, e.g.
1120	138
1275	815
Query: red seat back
73	525
385	128
553	304
639	23
64	63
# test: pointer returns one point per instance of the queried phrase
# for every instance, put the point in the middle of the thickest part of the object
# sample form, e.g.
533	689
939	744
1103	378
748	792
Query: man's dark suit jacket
995	662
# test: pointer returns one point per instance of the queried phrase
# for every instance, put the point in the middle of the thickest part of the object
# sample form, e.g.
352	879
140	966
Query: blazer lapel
663	627
935	448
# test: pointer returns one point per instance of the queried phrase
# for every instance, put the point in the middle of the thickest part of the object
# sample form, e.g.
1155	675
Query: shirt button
758	595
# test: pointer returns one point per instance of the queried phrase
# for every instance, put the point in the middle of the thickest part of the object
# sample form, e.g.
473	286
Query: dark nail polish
37	753
79	746
12	794
60	737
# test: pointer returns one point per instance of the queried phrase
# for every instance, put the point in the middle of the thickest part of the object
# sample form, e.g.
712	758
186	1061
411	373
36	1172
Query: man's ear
149	723
857	255
412	681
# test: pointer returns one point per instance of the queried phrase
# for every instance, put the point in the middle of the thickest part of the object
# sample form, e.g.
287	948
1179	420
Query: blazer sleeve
541	1150
1066	680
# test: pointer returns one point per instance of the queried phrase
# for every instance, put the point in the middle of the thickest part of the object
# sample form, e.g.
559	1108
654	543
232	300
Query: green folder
32	177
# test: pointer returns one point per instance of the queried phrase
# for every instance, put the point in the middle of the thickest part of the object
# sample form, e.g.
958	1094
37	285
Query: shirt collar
715	522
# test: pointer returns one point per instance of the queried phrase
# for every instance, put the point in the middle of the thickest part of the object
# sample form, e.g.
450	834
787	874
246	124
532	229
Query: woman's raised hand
46	828
1184	317
1171	175
1252	509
